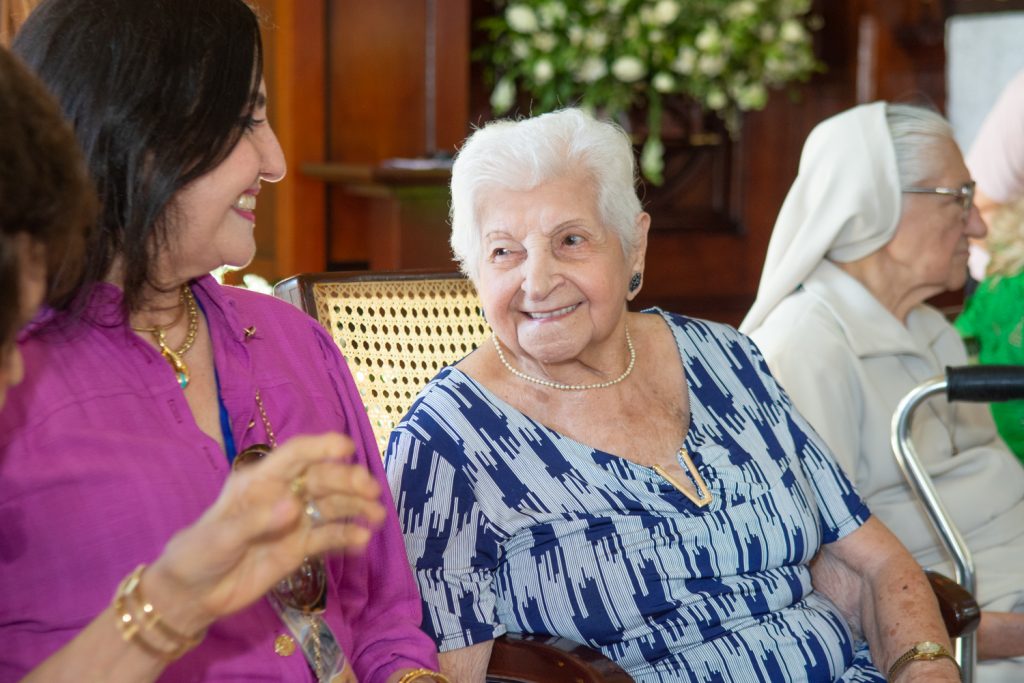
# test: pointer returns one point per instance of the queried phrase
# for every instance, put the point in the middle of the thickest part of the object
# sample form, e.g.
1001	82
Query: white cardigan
846	362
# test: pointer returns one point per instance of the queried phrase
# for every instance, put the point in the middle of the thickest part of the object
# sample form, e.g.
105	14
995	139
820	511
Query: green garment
993	323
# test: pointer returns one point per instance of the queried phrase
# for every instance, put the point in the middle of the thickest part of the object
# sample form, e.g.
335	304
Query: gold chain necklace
568	387
174	356
271	437
309	567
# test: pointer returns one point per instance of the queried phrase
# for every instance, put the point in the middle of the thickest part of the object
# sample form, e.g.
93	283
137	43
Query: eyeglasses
305	589
964	194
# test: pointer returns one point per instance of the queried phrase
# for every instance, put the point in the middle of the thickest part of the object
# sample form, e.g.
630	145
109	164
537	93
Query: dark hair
157	92
44	190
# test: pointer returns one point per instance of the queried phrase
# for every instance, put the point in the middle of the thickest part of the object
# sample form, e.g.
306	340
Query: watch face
928	648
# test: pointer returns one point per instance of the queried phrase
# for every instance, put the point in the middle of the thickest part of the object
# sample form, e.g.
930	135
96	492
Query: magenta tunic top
101	462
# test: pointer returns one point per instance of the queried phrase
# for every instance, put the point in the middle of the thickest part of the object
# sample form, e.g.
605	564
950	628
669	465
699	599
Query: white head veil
843	205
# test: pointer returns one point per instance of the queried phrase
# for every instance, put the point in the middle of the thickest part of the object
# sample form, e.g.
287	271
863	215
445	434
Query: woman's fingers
343	507
259	530
341	492
330	479
339	537
298	454
304	470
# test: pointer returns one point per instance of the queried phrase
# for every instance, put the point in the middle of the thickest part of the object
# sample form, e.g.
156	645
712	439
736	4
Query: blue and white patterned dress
511	526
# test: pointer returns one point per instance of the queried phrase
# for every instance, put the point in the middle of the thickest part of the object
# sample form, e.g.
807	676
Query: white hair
915	133
520	155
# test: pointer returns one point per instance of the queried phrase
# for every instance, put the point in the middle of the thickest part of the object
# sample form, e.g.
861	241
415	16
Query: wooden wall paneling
12	14
398	89
452	69
350	223
773	138
974	6
410	230
303	242
291	219
385	222
376	57
479	89
906	50
377	63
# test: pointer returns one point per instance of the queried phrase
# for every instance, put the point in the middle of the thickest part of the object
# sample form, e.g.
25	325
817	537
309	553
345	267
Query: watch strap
925	651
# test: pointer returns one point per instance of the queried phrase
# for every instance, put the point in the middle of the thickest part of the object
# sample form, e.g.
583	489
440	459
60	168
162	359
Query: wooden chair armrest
528	658
960	611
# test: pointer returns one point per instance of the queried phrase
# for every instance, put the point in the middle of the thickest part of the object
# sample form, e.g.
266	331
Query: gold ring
298	487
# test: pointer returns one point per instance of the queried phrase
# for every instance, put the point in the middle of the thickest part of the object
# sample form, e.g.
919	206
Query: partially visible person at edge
636	482
147	379
996	161
876	222
993	317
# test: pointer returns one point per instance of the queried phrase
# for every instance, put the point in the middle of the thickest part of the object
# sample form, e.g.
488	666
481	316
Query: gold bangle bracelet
136	617
411	676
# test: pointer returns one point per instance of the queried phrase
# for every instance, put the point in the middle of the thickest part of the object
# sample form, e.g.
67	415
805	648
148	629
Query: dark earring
634	282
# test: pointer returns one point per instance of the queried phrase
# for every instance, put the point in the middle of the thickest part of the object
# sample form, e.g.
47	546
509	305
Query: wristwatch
926	650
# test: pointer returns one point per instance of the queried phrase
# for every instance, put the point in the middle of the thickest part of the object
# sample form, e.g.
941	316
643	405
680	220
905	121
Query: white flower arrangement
615	55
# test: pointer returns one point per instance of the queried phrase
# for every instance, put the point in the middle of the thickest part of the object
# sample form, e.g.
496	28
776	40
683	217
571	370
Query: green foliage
615	55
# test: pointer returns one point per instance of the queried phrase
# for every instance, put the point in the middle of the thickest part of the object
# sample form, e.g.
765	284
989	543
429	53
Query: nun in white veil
876	222
844	205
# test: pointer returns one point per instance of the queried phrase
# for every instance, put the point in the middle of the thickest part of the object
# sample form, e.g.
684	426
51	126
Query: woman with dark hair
150	384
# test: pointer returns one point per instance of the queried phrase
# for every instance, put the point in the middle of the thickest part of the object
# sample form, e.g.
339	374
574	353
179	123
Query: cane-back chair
396	330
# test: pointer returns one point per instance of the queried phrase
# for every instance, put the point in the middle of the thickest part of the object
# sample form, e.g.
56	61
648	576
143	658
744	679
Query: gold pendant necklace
703	497
174	356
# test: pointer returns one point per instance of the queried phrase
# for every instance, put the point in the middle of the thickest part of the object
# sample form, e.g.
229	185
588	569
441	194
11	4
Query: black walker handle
985	383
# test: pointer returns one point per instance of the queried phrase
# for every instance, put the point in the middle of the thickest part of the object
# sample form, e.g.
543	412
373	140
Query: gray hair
520	155
915	131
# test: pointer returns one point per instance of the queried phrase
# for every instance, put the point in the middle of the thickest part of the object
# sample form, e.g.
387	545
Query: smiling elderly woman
634	481
876	222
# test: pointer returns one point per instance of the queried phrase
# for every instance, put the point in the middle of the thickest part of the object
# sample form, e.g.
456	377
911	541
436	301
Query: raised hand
258	531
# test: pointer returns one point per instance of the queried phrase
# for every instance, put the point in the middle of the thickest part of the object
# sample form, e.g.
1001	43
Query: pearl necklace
568	387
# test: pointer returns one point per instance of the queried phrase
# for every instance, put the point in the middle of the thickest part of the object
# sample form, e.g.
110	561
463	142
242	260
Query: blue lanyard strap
225	422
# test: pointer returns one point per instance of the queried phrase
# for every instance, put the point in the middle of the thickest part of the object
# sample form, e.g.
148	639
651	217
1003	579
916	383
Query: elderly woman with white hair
633	481
876	222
